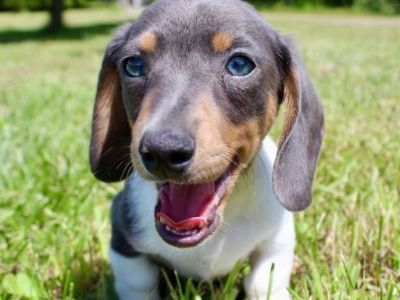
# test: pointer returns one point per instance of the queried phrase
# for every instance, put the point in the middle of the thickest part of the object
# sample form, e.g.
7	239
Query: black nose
167	152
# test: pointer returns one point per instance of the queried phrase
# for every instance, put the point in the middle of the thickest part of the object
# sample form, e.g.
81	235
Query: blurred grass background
376	6
54	226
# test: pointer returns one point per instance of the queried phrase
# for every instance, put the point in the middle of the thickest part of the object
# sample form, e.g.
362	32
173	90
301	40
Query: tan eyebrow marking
222	41
148	42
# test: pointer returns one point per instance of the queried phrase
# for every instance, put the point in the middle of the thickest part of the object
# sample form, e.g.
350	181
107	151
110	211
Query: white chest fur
252	216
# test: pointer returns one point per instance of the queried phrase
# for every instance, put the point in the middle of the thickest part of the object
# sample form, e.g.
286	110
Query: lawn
54	226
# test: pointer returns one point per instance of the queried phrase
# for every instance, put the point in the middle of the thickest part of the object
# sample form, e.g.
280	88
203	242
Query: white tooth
162	220
168	228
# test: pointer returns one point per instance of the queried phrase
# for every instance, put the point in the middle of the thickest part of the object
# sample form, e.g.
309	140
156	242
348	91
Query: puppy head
186	94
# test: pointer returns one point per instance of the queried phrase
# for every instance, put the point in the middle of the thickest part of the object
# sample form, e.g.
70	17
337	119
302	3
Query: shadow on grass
93	281
66	33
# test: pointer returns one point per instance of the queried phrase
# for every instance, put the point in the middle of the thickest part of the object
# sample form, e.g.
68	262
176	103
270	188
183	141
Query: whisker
129	168
117	146
123	159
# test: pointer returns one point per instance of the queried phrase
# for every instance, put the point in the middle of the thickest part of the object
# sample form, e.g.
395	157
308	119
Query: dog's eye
134	67
240	66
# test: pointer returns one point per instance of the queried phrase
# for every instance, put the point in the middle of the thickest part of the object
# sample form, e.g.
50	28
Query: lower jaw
192	239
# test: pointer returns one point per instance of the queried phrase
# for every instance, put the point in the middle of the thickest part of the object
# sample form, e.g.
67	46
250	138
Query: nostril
179	158
149	160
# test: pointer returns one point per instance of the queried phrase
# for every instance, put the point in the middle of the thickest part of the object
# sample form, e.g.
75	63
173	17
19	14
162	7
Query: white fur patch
135	278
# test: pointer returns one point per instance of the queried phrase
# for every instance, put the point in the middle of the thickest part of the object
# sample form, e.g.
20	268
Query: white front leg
136	278
280	252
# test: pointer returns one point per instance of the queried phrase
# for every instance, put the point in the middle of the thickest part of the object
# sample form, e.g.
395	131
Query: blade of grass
270	281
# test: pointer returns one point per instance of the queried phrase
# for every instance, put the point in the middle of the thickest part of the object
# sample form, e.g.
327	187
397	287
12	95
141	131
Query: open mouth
187	213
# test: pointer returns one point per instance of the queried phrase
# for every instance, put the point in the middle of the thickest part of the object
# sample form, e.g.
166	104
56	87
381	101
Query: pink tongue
183	205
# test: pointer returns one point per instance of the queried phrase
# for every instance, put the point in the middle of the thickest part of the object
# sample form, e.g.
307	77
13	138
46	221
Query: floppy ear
111	133
301	139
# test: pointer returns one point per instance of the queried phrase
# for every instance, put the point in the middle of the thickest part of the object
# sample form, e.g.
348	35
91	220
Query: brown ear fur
111	132
301	139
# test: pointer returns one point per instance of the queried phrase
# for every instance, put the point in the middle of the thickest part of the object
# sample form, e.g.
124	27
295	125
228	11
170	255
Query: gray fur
296	161
122	226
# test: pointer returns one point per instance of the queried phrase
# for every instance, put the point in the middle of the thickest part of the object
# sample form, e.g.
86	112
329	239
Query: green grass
54	226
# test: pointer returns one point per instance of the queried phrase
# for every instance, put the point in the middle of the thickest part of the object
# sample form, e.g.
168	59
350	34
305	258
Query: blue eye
134	67
240	66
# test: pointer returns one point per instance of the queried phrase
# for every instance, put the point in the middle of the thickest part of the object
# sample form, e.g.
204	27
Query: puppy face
187	93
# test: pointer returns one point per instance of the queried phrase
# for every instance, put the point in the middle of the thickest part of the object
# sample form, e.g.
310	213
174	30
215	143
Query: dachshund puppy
185	99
